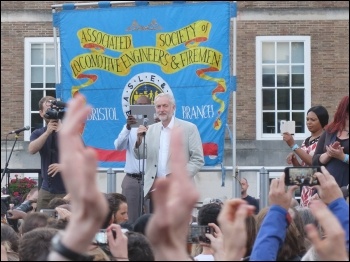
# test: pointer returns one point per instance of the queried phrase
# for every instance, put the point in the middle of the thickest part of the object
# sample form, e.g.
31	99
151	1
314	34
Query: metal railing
264	175
264	181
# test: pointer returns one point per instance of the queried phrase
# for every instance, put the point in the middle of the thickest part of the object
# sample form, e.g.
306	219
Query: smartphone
301	176
50	212
197	233
101	237
287	126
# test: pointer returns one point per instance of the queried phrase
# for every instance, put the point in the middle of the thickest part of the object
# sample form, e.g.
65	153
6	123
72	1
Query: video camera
56	111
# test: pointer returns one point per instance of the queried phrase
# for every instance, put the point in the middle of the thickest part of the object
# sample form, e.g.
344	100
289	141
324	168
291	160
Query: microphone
145	122
19	130
57	103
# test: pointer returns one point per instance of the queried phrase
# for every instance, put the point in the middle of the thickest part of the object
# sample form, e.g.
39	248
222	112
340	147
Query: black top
252	201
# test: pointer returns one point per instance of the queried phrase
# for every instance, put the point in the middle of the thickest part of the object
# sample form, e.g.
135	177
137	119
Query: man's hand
332	247
174	200
78	170
16	214
328	190
131	120
232	223
52	126
53	169
278	195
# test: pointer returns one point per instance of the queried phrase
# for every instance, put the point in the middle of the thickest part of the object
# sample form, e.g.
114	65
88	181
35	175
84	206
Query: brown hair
292	246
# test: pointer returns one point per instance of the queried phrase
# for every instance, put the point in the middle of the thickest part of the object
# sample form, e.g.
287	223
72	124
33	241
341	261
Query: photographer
44	141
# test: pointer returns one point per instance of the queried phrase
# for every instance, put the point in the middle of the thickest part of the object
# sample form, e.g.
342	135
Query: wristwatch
61	249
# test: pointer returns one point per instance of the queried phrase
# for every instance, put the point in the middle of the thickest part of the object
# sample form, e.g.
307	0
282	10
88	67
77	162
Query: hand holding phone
197	233
302	176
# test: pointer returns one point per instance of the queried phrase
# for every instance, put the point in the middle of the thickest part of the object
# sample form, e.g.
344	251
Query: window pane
268	99
35	98
268	69
282	116
268	52
269	123
268	80
37	54
282	80
36	85
297	75
282	75
36	121
50	75
298	52
50	55
282	52
283	99
37	75
298	99
51	93
299	119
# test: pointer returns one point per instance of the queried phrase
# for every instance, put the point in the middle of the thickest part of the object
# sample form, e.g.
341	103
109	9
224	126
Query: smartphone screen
101	237
49	212
301	176
197	233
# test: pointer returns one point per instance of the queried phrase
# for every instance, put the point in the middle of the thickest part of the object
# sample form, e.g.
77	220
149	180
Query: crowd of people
88	225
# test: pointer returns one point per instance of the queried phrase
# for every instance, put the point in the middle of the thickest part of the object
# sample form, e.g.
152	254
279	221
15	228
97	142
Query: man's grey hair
169	96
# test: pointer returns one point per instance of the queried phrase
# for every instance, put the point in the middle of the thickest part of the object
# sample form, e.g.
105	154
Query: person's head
59	224
45	104
251	234
244	186
141	223
119	207
32	194
341	116
56	201
35	245
9	238
33	220
292	246
139	248
208	214
165	107
317	118
143	100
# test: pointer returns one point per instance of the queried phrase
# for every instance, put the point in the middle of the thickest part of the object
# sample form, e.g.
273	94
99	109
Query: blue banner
113	55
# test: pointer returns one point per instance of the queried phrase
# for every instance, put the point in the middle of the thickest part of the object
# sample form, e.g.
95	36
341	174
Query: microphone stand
142	199
6	170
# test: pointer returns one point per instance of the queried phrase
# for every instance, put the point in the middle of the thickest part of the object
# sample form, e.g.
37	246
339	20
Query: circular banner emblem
143	84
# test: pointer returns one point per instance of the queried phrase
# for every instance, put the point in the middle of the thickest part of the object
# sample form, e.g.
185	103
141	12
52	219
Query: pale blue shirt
164	144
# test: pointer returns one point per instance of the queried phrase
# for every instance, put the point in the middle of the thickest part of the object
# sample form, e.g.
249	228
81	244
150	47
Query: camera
301	176
26	206
56	111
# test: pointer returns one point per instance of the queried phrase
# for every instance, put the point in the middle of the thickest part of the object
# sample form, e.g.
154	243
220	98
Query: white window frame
28	41
307	83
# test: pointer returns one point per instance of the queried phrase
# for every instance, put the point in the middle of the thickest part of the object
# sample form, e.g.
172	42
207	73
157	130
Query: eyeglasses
48	103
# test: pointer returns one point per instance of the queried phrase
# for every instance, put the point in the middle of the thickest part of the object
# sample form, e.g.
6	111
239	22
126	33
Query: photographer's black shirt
49	155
